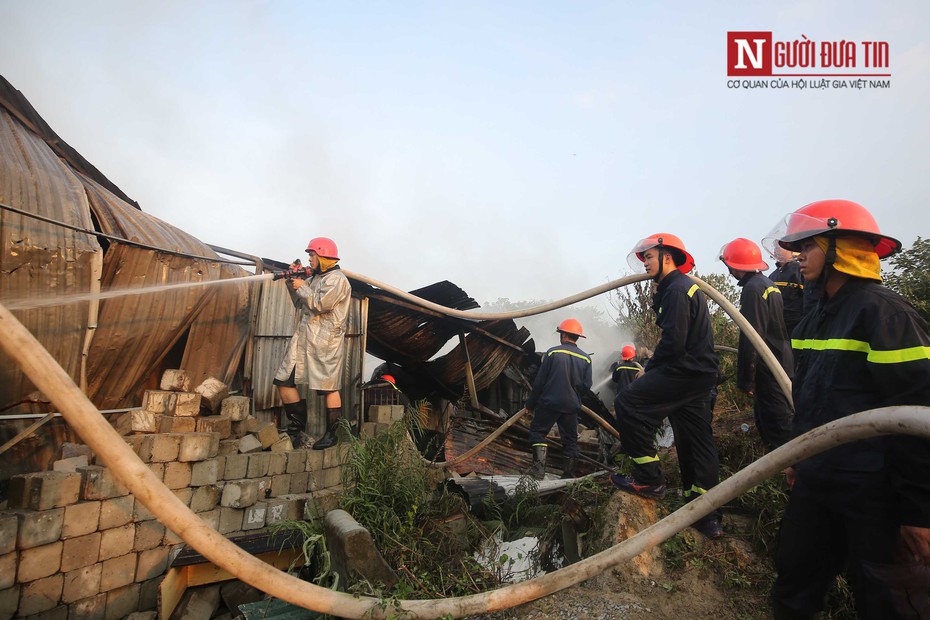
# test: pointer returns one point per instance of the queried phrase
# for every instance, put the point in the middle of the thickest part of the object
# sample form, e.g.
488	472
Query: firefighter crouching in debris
761	304
317	351
563	376
864	505
677	383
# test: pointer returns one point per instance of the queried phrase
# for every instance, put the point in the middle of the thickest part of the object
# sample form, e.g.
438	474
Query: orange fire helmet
628	352
323	246
571	326
742	254
683	260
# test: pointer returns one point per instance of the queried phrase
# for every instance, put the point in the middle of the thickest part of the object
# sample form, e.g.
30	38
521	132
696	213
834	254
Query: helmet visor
635	258
794	228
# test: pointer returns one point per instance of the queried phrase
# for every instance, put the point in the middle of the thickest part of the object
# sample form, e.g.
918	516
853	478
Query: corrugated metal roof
488	357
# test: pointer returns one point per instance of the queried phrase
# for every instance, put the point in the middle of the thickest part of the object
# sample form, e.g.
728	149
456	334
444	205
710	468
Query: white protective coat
317	350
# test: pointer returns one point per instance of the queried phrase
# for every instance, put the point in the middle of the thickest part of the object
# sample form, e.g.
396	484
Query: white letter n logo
742	47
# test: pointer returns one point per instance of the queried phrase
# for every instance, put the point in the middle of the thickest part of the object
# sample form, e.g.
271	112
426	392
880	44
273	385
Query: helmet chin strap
661	264
829	260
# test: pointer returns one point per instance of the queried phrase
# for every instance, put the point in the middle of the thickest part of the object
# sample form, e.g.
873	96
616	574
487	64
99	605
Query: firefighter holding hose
863	505
317	351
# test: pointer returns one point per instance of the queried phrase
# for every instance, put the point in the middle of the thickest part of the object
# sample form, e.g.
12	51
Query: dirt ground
647	588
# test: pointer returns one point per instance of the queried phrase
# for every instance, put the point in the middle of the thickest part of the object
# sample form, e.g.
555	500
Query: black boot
296	414
570	466
538	470
330	438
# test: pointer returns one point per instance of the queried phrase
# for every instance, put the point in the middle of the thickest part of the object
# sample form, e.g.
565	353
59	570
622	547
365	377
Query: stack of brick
75	543
380	418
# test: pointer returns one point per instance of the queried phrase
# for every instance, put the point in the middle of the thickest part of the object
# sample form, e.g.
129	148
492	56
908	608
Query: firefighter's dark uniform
761	304
863	348
623	372
677	385
787	277
564	375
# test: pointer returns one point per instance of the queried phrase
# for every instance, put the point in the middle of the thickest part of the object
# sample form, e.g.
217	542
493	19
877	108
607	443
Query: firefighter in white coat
317	351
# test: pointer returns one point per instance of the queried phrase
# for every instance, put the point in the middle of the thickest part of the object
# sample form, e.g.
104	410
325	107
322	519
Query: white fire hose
80	413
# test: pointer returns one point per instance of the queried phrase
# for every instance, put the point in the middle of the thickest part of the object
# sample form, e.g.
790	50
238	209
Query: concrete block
277	463
69	449
237	466
100	483
117	541
38	528
80	552
283	445
230	520
140	512
258	465
40	595
369	429
165	447
177	475
330	477
149	534
335	456
264	487
9	602
314	460
228	446
211	518
293	506
213	392
175	380
280	485
38	562
8	570
187	405
158	469
171	538
44	490
171	424
221	467
385	414
198	446
121	602
159	401
250	443
236	408
204	472
118	572
199	603
152	563
93	608
9	524
141	445
315	482
184	495
240	493
215	424
275	510
80	519
327	499
267	434
353	552
70	464
296	461
300	482
149	593
122	423
143	421
205	498
81	583
116	511
253	517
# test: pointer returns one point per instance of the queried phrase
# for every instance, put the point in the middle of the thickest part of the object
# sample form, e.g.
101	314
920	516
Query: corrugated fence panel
38	260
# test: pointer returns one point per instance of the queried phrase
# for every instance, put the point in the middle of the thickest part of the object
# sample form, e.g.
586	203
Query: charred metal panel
488	357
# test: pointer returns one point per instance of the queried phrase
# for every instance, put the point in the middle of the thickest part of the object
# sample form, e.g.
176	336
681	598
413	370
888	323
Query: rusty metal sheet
489	357
39	259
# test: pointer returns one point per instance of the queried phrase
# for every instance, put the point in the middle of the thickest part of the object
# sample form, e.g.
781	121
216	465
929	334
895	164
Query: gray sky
517	149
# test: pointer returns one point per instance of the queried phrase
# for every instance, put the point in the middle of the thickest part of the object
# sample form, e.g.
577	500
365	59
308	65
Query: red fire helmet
323	246
571	326
742	254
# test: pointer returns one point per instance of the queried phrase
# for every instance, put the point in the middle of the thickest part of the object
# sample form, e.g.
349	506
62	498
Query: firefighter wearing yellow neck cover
855	256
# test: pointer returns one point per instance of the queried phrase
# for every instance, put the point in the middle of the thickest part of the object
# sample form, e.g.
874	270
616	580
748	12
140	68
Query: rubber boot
296	414
538	469
329	438
570	466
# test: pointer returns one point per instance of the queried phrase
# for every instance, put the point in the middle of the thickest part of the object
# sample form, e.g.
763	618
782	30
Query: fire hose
82	415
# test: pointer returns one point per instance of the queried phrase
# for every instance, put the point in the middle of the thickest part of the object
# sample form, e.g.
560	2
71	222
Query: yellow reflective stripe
693	290
889	356
698	490
642	460
572	353
627	368
770	289
545	445
792	284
